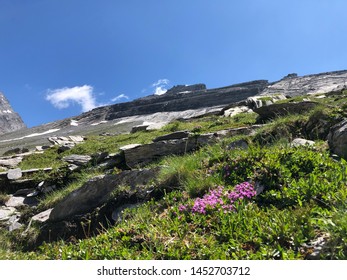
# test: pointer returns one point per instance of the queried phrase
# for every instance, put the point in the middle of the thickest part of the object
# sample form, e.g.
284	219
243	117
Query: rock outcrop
275	110
9	120
98	190
337	139
293	85
180	99
180	102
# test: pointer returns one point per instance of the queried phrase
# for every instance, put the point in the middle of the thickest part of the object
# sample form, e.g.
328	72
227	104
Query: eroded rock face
337	139
9	120
275	110
98	190
292	85
140	155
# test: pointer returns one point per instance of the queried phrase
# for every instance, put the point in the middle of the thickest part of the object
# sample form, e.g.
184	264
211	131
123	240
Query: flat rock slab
43	216
129	147
97	191
171	136
143	154
6	213
11	162
79	160
18	201
15	201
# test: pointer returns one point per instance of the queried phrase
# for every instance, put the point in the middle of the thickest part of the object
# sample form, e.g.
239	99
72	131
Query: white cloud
160	86
121	96
63	97
161	82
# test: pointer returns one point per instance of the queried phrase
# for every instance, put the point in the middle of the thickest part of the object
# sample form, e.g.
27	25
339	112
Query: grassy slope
304	198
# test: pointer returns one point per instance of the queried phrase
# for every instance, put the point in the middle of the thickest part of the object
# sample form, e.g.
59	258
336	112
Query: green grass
111	144
3	198
302	189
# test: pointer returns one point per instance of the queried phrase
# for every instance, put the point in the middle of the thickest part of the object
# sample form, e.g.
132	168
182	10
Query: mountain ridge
180	102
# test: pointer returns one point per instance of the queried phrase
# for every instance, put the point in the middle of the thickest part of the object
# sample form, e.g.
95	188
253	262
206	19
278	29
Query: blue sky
61	57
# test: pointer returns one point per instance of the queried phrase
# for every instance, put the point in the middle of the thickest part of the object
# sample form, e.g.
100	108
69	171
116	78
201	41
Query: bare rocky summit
9	120
294	85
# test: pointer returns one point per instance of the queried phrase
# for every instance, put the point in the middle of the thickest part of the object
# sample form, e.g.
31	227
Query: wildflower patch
220	199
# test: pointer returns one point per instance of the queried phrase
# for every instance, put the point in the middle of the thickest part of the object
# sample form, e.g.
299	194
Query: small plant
197	129
3	198
221	199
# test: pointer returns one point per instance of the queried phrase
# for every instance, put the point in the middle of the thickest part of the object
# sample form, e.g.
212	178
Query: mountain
180	102
272	154
9	120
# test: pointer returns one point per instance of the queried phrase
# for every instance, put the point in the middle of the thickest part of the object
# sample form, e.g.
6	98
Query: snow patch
93	124
74	123
31	135
7	111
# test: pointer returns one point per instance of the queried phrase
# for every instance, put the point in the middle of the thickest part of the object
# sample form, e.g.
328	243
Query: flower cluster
212	200
220	199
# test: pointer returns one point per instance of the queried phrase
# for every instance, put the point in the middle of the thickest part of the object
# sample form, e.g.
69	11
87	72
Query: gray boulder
14	174
337	139
297	142
237	110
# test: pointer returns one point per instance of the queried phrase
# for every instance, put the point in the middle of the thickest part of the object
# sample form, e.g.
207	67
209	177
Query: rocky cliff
177	99
293	85
9	120
180	102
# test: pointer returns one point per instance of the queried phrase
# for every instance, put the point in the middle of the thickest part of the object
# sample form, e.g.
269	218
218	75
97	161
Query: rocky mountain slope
152	112
9	120
274	159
